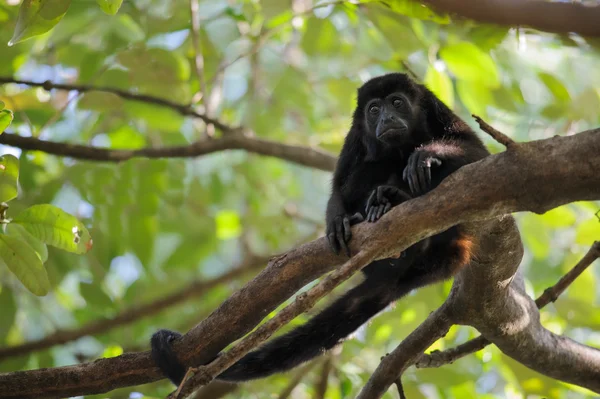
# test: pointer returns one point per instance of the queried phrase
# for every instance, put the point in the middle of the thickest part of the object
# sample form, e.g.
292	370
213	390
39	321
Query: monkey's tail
319	334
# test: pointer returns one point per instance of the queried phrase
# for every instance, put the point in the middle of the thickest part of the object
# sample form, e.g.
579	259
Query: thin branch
306	156
549	16
440	358
496	135
323	381
199	64
305	301
192	290
391	367
400	388
298	377
183	109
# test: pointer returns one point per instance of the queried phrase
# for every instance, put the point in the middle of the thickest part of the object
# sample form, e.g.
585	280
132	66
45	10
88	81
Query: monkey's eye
374	109
397	103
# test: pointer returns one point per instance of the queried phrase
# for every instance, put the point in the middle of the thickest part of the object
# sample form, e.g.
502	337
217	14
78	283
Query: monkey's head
388	108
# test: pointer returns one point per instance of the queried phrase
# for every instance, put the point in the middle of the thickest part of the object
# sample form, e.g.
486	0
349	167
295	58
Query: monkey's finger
333	243
388	206
356	218
347	231
370	200
422	178
428	177
380	211
339	233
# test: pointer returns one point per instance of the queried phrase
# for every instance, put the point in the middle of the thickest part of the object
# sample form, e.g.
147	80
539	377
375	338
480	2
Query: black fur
402	143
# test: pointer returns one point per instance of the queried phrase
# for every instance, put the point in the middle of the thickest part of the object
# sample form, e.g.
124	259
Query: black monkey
402	143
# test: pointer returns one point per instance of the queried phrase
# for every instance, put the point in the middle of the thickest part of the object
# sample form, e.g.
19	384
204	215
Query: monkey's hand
417	172
338	231
382	199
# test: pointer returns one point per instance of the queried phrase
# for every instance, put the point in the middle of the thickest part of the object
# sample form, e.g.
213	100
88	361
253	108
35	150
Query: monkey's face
390	119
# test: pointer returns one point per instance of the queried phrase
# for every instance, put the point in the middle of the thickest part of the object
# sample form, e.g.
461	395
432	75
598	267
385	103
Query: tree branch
183	109
440	358
306	156
195	289
555	171
556	17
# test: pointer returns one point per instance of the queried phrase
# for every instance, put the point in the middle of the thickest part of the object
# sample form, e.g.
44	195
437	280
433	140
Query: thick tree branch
192	290
539	176
440	358
549	16
301	155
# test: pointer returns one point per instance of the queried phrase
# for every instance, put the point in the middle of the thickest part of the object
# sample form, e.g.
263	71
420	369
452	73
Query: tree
146	129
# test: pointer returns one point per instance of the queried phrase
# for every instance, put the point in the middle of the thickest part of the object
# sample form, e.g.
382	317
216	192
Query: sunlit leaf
228	225
415	9
319	37
19	257
588	232
55	227
475	97
558	90
9	176
110	6
562	216
440	84
271	8
8	307
466	61
37	17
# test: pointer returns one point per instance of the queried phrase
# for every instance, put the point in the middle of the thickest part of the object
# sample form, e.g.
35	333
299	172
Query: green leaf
6	118
558	90
320	37
37	17
466	61
440	84
228	225
9	176
95	296
16	230
55	227
475	97
24	263
110	6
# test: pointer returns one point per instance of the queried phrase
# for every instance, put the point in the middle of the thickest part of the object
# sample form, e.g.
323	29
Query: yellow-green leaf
467	61
55	227
110	6
588	232
37	17
9	176
6	118
440	84
563	216
228	225
20	259
558	90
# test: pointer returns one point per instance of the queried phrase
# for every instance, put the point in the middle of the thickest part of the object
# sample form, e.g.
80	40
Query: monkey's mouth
392	131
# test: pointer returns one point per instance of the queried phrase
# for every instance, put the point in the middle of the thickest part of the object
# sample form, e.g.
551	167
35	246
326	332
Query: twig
398	383
323	381
183	109
303	302
193	290
496	135
287	391
391	367
301	155
440	358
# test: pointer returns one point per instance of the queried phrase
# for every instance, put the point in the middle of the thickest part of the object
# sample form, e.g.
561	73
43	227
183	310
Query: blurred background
288	71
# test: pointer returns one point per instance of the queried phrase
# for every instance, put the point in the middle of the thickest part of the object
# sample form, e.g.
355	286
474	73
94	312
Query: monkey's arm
431	163
338	222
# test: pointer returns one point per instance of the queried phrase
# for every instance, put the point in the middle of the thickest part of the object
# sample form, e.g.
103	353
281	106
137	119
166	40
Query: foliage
290	75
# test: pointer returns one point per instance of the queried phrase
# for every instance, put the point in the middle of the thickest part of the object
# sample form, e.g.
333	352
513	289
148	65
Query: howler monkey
402	143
